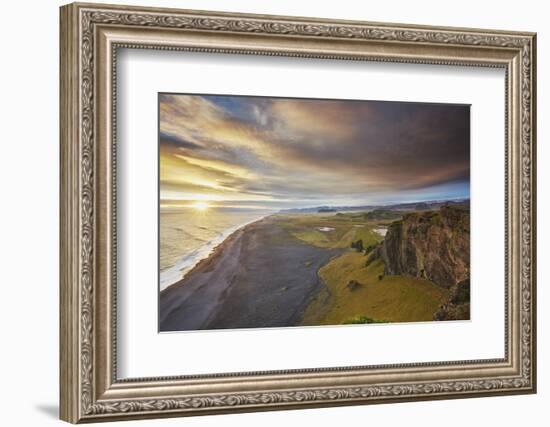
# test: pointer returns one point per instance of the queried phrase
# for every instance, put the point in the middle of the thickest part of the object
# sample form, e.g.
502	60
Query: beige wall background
29	170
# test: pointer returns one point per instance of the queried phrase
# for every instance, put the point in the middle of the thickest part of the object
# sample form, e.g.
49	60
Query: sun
200	206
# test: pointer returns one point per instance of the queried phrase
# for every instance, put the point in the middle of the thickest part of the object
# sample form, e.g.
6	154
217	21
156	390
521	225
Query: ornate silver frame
90	36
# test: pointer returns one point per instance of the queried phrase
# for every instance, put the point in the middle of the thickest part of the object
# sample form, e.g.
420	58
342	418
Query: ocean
189	235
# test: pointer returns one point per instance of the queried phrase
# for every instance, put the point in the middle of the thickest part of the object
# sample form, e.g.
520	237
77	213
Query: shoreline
179	293
242	285
207	254
210	258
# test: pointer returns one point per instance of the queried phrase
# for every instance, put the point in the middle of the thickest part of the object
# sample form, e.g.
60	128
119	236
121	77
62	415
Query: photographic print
277	212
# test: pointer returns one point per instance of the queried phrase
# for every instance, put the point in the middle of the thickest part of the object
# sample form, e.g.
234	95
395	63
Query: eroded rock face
458	306
433	245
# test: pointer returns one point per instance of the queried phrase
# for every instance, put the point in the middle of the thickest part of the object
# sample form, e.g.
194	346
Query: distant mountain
410	206
430	205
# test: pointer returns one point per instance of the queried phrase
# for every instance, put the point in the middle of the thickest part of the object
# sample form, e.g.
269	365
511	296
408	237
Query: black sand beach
261	276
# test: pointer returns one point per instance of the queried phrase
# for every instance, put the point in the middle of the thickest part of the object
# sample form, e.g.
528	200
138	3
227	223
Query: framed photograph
278	212
265	212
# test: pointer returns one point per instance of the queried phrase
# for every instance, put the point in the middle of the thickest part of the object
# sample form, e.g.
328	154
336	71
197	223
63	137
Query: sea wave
183	265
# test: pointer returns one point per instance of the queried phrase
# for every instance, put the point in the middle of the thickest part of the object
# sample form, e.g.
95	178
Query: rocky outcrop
458	306
353	285
433	245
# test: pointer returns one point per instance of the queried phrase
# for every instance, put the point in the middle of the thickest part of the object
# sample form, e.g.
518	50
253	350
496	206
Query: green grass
390	299
346	229
361	320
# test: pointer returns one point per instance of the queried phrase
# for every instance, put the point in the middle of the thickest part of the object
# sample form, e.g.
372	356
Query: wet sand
260	276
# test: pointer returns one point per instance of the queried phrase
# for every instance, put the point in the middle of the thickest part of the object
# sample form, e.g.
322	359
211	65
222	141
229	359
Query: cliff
458	305
433	245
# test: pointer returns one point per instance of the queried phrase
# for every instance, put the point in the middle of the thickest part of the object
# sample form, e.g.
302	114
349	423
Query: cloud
176	142
301	149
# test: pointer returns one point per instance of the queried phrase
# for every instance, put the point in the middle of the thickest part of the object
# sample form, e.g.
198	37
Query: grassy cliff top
374	296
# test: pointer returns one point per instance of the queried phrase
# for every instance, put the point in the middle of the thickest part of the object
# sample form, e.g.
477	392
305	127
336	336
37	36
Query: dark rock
453	312
353	285
458	305
358	245
373	256
370	248
460	293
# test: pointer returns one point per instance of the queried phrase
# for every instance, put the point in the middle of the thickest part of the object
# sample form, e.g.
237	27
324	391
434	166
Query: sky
277	153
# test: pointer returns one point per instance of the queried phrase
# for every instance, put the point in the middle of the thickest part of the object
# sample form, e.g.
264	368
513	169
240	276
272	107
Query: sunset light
280	153
200	206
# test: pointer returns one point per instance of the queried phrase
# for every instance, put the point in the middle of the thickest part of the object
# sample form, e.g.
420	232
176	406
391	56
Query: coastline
187	263
203	264
176	297
242	285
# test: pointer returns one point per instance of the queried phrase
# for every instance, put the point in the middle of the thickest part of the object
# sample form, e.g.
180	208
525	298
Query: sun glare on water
200	206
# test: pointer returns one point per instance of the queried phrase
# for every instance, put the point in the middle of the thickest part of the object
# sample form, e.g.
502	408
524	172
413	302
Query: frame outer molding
69	221
89	388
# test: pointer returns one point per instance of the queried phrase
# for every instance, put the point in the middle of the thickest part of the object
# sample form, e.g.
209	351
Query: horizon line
316	206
